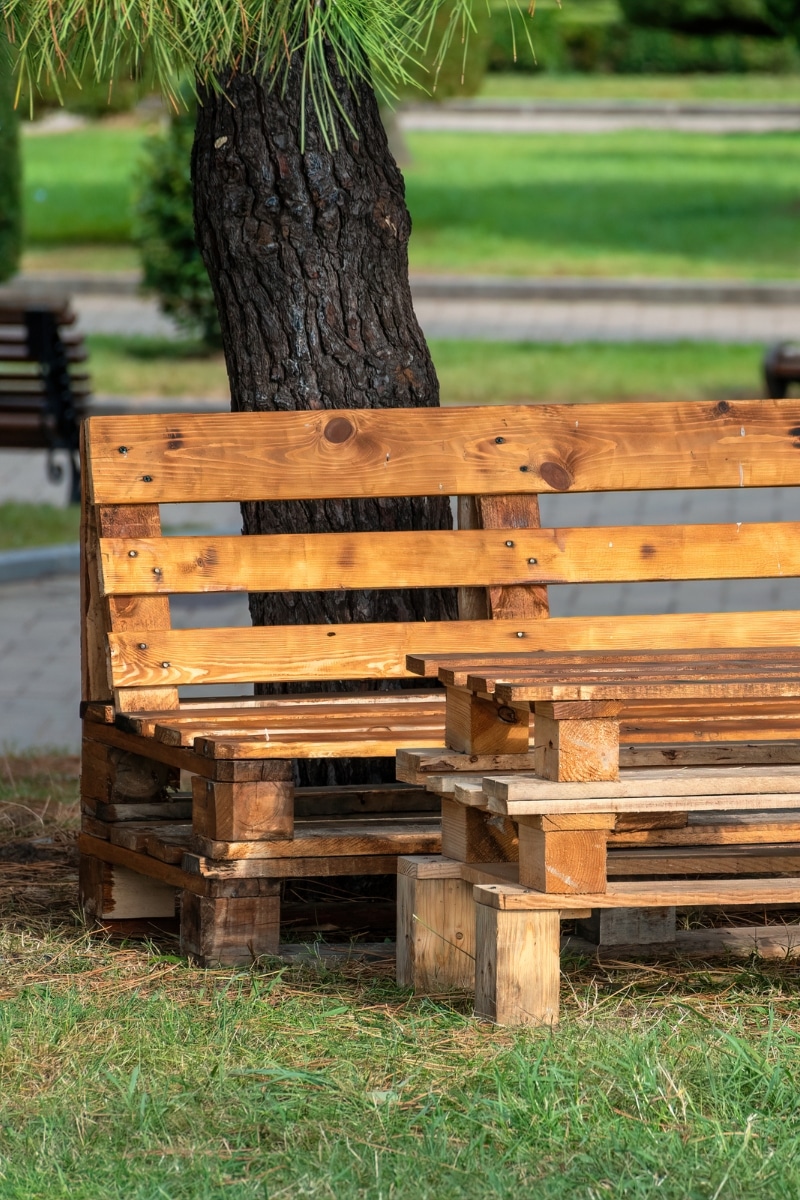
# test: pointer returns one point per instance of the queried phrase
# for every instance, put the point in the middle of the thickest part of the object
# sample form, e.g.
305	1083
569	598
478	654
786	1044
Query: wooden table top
731	674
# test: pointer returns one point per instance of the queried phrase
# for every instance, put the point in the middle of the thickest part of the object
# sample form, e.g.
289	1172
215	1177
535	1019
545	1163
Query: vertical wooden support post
577	741
228	930
245	811
475	725
564	854
435	926
517	961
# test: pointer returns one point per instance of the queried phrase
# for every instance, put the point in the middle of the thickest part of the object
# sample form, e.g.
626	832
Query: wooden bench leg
231	931
517	964
108	892
435	931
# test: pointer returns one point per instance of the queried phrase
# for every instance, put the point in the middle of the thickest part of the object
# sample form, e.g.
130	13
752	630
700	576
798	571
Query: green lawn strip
546	85
79	185
26	525
470	372
628	204
126	1073
634	203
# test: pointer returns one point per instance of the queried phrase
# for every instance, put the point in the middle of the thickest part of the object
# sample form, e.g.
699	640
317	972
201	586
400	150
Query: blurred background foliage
10	198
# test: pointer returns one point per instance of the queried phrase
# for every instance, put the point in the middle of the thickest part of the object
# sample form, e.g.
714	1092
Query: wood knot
556	476
508	715
339	430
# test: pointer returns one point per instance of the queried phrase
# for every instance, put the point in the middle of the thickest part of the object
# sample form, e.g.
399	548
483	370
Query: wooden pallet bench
43	392
677	730
237	755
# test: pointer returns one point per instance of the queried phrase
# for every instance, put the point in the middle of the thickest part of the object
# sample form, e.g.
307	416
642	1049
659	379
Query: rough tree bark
307	255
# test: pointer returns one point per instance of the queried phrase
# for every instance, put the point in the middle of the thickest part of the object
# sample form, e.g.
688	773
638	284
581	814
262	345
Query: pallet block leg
566	861
477	726
608	927
517	965
244	812
109	892
230	931
435	934
576	741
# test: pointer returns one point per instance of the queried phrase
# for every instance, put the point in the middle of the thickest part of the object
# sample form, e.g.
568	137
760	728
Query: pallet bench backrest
495	459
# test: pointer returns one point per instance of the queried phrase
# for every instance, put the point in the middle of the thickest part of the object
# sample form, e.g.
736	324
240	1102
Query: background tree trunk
307	252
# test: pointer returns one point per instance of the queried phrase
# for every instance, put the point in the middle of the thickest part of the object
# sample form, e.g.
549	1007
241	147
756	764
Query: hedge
10	172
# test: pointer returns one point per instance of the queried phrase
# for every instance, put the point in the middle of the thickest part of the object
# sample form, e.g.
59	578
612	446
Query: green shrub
88	96
164	232
10	171
785	16
636	51
701	16
460	74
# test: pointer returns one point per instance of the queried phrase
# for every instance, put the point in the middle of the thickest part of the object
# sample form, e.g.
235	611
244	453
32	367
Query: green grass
26	525
127	1074
78	186
543	85
617	204
469	372
626	204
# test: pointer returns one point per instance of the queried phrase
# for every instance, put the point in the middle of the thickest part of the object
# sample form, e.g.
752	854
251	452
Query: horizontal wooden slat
294	653
454	670
766	859
467	558
642	782
496	450
663	894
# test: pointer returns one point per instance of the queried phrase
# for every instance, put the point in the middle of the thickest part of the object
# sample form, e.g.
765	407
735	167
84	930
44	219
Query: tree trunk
307	251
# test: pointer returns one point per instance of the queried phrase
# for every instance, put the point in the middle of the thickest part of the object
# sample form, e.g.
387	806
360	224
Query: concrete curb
17	566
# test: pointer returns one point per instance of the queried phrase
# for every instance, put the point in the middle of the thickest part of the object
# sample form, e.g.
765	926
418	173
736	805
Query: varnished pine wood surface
465	558
497	450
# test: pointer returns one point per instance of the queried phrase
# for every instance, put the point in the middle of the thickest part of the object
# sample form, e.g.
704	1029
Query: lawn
634	203
127	1074
26	525
470	372
544	85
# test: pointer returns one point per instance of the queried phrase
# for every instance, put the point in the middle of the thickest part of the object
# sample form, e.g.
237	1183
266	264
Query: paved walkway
533	320
549	117
39	622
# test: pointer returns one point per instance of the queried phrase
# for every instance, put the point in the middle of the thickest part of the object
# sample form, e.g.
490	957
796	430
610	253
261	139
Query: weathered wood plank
658	894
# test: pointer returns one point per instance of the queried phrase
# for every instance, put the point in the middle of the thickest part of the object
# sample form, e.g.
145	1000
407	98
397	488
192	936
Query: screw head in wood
520	634
165	665
123	449
509	544
524	468
532	562
157	571
132	553
499	441
142	645
149	478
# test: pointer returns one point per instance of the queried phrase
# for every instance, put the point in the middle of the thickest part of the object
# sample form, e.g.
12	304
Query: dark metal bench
42	395
781	367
